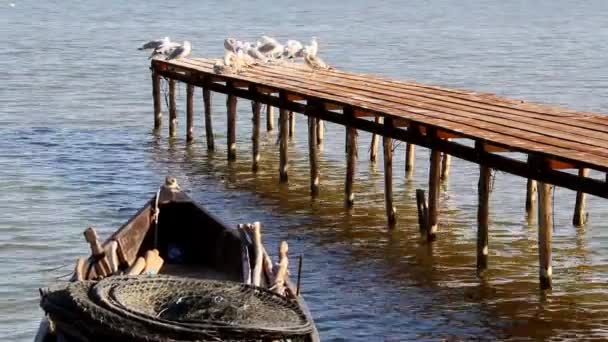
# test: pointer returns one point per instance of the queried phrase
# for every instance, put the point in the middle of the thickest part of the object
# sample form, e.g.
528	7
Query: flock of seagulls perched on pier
239	55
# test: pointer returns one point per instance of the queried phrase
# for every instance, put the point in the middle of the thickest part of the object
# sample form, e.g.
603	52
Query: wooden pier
549	146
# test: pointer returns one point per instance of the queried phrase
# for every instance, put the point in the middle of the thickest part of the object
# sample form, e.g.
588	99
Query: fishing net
161	308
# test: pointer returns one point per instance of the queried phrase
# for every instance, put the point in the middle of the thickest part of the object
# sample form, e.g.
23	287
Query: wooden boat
190	241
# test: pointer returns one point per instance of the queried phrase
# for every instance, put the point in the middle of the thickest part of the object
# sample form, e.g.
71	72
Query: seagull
231	44
293	49
270	47
245	58
257	55
164	49
315	62
181	51
154	44
313	48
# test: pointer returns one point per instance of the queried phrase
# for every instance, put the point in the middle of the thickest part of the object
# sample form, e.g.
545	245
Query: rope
156	214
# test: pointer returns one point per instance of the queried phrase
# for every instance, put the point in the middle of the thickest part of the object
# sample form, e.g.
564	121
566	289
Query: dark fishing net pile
162	308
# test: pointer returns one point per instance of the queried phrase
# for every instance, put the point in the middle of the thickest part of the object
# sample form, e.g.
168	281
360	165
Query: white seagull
293	49
154	44
180	51
315	62
164	50
313	48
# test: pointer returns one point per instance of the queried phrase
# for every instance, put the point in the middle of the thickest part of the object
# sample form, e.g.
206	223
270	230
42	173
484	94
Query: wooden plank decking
553	138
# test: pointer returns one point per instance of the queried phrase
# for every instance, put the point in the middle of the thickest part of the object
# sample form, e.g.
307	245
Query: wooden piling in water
208	124
409	160
231	104
269	118
483	213
313	156
351	160
446	159
423	213
256	107
292	124
387	143
158	115
172	109
373	152
545	232
531	189
580	216
434	183
320	132
283	137
189	113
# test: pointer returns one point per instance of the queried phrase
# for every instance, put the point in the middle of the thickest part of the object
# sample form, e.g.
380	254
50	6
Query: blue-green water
76	149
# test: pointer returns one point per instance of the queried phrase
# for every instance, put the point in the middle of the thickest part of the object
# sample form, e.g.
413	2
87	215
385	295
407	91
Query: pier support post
283	137
387	143
446	159
483	213
434	183
208	125
158	115
409	160
269	118
351	163
320	132
292	124
580	216
545	231
373	152
256	107
172	109
231	104
531	189
313	156
189	113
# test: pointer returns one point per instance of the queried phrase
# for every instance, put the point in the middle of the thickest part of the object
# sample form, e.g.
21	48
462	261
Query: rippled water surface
76	149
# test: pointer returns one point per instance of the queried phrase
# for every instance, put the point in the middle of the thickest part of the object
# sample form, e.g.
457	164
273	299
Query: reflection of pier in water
481	128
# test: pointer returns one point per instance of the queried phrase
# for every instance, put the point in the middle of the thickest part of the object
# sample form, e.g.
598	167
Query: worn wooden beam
189	113
387	143
172	109
351	161
580	216
483	213
434	184
545	232
255	135
158	115
373	151
231	102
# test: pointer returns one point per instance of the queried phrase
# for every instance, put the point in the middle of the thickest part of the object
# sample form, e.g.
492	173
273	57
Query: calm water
76	149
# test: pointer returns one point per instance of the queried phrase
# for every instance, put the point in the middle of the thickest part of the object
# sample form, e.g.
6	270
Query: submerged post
231	104
580	216
373	152
351	163
172	109
409	160
434	183
545	231
158	115
189	113
313	156
445	166
283	137
255	136
269	118
387	143
483	213
208	125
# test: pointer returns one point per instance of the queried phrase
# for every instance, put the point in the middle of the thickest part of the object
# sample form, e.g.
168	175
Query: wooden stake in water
208	125
351	160
409	160
255	136
545	233
172	109
483	213
284	132
231	104
580	216
158	115
373	152
313	155
189	113
387	143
